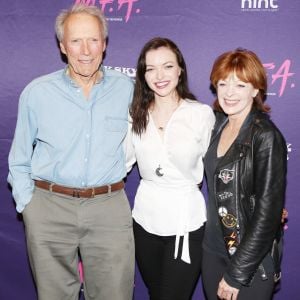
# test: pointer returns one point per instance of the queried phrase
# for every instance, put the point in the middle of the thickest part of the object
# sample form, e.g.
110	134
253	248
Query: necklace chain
162	127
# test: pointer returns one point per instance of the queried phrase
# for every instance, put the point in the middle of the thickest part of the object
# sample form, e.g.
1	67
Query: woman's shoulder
197	106
198	114
266	129
263	123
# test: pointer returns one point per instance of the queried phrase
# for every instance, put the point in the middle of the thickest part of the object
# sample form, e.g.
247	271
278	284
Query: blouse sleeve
204	122
129	147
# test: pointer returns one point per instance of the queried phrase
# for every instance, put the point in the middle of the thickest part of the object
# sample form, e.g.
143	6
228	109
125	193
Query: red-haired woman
246	173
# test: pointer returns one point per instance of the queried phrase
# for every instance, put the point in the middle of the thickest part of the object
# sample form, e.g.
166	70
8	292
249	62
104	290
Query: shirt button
87	136
78	90
82	183
85	160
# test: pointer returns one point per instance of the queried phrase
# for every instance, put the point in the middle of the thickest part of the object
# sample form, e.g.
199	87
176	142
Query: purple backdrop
203	30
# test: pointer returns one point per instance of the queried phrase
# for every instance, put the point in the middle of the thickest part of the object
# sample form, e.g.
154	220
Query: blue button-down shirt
64	138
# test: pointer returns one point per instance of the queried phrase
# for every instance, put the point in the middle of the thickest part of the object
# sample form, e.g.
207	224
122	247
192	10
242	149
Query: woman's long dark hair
143	96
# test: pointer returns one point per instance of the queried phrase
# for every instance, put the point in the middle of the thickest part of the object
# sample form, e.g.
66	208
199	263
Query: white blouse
168	200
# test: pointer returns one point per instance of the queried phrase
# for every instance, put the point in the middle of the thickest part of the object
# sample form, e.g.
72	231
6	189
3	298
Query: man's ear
62	48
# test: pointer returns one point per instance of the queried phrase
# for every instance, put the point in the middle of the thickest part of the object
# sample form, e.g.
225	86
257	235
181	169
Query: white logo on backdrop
131	72
259	5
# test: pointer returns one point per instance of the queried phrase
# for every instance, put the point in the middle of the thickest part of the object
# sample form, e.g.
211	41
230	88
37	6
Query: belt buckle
76	193
109	190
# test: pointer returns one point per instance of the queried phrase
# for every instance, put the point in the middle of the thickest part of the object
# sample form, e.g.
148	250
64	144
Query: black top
213	238
266	135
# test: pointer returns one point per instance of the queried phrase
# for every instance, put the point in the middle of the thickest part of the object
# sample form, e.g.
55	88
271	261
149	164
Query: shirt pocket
115	133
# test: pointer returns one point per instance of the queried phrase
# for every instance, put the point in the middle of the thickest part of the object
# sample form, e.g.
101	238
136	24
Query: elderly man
66	167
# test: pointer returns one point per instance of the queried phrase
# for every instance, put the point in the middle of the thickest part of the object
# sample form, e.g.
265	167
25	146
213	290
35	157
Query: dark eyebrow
168	62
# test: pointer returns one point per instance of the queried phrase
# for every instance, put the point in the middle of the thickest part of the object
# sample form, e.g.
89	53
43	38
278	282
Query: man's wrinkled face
83	44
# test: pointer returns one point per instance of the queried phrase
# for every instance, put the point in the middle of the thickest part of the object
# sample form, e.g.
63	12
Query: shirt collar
72	83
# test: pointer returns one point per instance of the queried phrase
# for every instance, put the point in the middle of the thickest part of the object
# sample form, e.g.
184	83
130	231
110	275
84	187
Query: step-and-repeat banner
202	30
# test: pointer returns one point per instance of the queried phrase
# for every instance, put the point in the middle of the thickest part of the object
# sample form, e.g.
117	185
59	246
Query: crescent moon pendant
158	172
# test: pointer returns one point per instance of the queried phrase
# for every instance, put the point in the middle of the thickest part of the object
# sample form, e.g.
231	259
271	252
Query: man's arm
21	151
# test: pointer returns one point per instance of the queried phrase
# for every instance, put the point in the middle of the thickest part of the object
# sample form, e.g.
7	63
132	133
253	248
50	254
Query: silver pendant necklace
158	171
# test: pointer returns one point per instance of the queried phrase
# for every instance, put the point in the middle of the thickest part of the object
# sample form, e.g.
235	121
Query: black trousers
165	277
213	268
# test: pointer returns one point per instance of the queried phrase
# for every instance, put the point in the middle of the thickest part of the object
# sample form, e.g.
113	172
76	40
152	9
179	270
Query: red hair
247	67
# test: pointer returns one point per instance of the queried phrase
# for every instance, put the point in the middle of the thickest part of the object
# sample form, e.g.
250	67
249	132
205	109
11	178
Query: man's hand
227	292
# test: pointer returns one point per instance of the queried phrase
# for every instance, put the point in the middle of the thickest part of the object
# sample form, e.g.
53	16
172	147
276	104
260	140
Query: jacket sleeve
269	181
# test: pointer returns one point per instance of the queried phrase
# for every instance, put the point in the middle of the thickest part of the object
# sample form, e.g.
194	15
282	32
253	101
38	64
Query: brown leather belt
79	193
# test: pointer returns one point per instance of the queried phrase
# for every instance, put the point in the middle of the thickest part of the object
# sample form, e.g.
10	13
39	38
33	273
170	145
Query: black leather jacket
249	184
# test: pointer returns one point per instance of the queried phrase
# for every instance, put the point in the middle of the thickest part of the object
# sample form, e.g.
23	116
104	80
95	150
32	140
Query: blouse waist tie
182	229
183	197
185	255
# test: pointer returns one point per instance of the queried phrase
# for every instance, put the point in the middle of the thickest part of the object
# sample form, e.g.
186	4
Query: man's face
83	44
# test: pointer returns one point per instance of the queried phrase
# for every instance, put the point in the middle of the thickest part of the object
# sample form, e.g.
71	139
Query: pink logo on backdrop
110	7
281	74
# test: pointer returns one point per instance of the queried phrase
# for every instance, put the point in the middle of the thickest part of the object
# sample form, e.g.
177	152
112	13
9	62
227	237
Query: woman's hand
284	216
227	292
